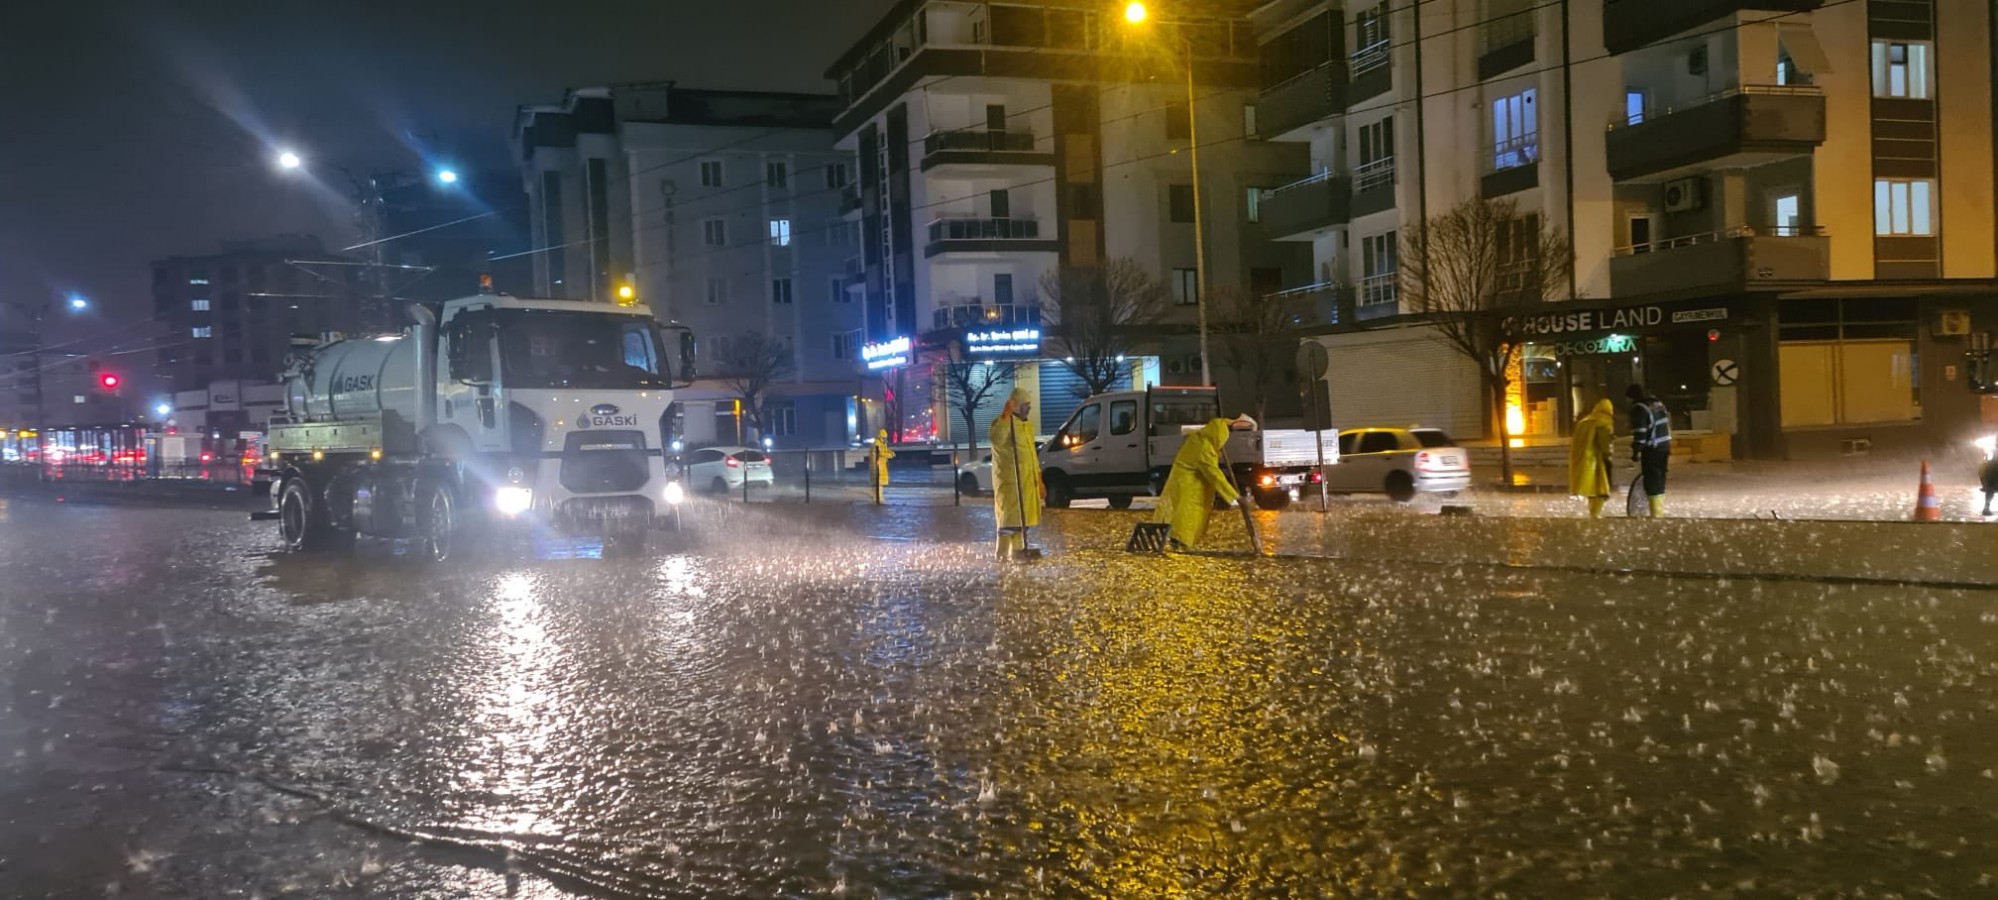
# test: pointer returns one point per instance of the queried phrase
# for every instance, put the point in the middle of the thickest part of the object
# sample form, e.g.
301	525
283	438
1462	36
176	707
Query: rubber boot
1658	506
1596	507
1008	542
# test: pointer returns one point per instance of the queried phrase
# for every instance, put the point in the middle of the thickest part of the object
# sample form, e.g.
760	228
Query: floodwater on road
845	701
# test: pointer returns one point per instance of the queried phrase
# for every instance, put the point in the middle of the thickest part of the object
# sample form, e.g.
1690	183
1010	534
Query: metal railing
1709	237
979	139
1379	173
1507	31
1371	57
1379	290
1322	287
1514	152
1649	112
983	229
974	313
1306	181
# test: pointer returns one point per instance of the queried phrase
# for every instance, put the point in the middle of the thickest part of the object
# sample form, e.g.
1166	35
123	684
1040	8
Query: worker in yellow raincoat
877	460
1017	489
1195	481
1589	456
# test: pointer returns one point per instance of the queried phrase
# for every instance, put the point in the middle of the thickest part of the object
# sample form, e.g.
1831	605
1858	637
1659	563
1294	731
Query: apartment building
721	209
231	315
1001	142
1773	228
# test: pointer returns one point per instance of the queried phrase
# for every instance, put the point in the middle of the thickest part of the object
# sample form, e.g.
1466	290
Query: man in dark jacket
1650	444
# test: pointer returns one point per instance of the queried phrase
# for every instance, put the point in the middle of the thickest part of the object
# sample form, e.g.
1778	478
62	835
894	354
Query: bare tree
750	366
1259	335
1472	273
1090	312
968	384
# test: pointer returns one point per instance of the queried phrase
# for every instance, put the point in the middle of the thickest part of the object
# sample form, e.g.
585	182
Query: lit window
1901	70
198	304
780	232
1515	130
1253	204
1904	207
79	398
197	280
202	331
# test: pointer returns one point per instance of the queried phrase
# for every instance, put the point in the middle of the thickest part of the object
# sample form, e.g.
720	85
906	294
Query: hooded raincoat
878	456
1589	452
1016	472
1195	481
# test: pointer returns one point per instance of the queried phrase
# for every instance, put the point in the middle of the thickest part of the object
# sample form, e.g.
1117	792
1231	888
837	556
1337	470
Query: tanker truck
498	411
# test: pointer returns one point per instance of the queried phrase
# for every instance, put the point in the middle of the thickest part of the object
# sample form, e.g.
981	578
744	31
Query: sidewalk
1872	489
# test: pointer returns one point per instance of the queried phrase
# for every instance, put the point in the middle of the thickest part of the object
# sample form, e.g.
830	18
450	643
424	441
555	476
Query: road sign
1312	361
1726	372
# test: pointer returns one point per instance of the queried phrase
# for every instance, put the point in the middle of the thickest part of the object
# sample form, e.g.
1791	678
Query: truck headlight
674	493
513	501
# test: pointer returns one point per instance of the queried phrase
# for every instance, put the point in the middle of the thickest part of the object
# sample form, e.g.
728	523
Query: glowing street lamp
163	410
289	160
1134	12
78	303
447	176
1135	15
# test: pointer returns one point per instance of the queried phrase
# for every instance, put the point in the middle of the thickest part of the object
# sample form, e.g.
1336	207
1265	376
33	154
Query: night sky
139	130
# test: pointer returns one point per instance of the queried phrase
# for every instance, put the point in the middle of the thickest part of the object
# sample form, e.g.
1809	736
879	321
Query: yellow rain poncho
1016	475
878	457
1195	481
1589	455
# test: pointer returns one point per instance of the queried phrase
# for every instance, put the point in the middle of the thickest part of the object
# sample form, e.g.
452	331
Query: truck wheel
1272	499
302	519
1400	487
437	521
1060	495
1120	501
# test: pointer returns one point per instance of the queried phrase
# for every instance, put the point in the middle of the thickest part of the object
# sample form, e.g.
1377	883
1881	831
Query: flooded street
844	701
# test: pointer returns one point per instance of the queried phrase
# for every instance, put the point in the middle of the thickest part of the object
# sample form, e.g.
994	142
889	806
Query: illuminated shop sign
993	343
886	354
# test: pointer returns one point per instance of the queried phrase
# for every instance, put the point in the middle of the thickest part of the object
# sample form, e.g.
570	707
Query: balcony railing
1737	259
974	313
1746	122
1372	57
1301	100
1376	174
1307	205
979	139
1512	153
984	229
1377	291
1312	303
1630	24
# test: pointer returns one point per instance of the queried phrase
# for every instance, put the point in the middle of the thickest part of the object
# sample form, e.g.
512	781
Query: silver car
1398	462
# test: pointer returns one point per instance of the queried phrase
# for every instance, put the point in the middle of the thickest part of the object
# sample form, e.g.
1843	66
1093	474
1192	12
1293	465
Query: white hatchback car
722	469
976	477
1399	462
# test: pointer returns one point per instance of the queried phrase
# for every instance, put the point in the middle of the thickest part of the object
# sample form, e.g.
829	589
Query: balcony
1373	73
982	147
849	200
1379	297
1301	209
1736	128
959	312
1373	188
1315	304
987	235
1505	45
1630	24
1306	99
1737	260
1512	166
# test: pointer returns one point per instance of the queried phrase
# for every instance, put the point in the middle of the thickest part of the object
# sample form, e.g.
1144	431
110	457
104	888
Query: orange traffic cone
1928	508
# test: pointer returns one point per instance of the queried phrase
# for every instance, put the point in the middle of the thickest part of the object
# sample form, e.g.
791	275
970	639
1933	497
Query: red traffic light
109	381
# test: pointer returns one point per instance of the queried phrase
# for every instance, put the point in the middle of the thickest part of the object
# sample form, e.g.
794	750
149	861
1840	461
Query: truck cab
1120	445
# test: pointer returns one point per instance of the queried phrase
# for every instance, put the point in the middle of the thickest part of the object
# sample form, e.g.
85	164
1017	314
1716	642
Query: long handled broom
1023	553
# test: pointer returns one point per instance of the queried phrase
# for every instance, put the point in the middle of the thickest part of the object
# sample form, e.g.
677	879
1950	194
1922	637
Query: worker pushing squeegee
1198	477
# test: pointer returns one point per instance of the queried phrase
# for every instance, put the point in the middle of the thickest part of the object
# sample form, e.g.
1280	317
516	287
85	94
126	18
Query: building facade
721	209
438	238
232	315
1772	229
1001	143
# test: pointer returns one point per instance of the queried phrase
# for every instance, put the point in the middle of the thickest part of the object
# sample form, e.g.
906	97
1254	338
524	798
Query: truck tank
350	381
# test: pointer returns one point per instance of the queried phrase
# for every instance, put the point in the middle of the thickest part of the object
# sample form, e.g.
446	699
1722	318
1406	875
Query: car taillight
1317	476
732	463
207	457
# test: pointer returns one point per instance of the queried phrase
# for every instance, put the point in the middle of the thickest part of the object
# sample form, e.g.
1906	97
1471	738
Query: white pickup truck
1120	445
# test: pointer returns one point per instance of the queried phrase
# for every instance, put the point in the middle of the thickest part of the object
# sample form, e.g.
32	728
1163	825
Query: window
1633	107
1002	289
1789	216
1252	204
1186	286
718	347
79	398
197	277
1787	72
1379	442
1377	141
1377	254
1901	69
198	304
780	290
711	173
717	291
1249	119
1123	416
836	175
1370	27
1179	202
777	174
1696	60
780	419
1515	130
836	289
1088	424
1178	125
714	233
204	331
1903	207
780	232
1348	442
844	343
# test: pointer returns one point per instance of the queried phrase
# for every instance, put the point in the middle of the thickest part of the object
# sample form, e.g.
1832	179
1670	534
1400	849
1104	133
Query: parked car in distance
1399	462
976	477
722	469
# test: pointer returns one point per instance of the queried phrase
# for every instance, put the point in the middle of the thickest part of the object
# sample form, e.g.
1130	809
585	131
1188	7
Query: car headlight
513	501
1988	444
674	493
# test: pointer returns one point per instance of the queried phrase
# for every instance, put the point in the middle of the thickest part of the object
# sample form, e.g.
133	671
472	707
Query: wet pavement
839	700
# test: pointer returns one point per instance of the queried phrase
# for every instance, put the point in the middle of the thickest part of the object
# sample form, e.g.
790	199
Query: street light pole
1199	232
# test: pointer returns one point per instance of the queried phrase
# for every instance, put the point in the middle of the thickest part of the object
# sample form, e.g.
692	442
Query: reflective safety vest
1650	424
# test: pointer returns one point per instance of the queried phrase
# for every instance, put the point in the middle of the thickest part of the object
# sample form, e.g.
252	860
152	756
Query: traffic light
109	381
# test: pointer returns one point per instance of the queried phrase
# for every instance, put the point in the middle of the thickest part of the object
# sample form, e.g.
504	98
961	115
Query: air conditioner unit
1953	323
1686	195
